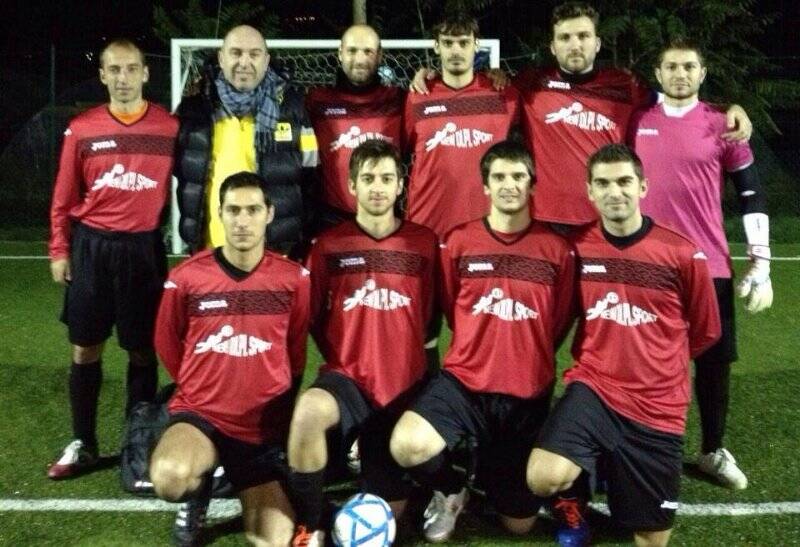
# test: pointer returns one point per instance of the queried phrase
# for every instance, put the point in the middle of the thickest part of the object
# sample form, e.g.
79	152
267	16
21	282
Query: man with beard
355	109
686	159
247	116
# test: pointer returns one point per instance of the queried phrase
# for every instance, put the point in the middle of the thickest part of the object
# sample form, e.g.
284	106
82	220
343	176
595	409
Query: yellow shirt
233	150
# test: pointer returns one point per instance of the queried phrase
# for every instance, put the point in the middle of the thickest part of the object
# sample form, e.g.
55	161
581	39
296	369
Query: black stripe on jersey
375	261
104	145
461	106
508	266
239	303
630	272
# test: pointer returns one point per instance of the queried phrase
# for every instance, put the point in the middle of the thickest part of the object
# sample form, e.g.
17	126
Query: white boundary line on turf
737	258
227	508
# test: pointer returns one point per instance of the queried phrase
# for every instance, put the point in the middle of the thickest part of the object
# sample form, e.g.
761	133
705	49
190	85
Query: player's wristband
759	251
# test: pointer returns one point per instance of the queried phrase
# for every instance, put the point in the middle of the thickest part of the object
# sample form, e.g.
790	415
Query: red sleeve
297	337
316	264
633	127
408	124
66	195
700	303
513	100
448	282
565	290
170	329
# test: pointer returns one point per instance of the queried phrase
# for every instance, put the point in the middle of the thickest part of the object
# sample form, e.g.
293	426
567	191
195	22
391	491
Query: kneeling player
372	287
231	331
507	291
648	305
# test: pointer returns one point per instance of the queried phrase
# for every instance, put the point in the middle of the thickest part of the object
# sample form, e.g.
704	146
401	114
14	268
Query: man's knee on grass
316	412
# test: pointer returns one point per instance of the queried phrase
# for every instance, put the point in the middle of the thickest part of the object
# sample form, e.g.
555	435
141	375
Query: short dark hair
506	150
244	179
573	10
682	43
457	24
373	150
615	153
124	43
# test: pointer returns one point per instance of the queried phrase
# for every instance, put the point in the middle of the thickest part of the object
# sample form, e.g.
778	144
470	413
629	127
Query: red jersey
343	117
647	307
565	120
112	176
372	301
233	344
507	298
448	132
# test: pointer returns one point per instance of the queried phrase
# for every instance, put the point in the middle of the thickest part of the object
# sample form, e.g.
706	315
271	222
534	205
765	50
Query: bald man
247	116
355	109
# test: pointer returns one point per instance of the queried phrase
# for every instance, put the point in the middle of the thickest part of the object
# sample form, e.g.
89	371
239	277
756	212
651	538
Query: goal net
311	63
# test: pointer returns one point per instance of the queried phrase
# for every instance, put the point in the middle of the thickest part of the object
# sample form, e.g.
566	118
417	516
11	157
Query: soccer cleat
76	459
441	515
573	530
721	465
187	531
305	538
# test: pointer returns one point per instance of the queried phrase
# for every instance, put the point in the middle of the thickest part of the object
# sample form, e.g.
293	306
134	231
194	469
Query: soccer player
355	109
372	284
231	332
685	158
647	306
105	244
507	295
574	108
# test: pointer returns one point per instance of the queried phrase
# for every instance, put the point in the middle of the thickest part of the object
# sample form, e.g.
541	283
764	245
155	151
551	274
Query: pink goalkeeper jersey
684	159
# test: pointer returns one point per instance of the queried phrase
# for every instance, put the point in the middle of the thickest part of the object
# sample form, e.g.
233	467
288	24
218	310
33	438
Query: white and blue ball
364	520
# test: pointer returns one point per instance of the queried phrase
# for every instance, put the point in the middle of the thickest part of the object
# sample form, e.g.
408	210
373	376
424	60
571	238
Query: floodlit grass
763	428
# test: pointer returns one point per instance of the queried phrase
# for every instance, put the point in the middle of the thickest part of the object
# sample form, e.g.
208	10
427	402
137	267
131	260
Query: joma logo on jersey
352	261
235	345
119	179
372	296
647	132
434	109
480	267
102	145
212	304
593	268
451	135
507	309
554	84
333	111
622	313
576	115
354	137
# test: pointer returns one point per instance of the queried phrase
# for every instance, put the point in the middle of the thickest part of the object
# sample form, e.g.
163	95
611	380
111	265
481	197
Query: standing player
507	295
105	244
231	332
647	306
354	110
685	158
372	286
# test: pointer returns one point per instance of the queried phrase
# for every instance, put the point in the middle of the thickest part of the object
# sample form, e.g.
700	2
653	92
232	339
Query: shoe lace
71	452
193	514
302	537
437	505
570	512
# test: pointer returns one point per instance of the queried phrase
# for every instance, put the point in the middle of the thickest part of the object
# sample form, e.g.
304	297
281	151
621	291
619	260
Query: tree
194	22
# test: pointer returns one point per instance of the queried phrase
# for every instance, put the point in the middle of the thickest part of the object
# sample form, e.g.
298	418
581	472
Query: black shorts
117	278
371	426
246	465
501	428
724	351
642	465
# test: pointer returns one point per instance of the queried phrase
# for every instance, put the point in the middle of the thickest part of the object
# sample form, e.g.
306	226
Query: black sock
438	473
84	391
432	360
711	385
142	384
306	493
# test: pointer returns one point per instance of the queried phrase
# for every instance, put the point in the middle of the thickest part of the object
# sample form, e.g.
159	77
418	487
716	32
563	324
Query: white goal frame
180	74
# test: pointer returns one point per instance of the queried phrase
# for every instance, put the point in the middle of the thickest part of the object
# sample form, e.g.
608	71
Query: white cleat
721	465
441	515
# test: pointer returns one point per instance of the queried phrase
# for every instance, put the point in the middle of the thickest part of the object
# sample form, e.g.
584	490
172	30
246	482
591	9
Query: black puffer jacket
287	177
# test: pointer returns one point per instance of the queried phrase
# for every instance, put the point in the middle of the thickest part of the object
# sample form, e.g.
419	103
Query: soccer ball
364	520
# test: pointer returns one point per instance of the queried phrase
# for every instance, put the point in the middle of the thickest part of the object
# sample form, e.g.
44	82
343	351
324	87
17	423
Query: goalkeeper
685	159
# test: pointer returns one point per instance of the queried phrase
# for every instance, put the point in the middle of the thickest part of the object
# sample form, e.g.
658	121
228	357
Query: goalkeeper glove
756	286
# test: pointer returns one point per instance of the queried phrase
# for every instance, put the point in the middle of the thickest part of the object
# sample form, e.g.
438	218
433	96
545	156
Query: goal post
312	62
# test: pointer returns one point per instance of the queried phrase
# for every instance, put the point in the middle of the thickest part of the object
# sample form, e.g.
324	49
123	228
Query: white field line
227	508
43	257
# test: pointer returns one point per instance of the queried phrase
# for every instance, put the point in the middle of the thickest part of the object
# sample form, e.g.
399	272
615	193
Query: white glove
756	286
